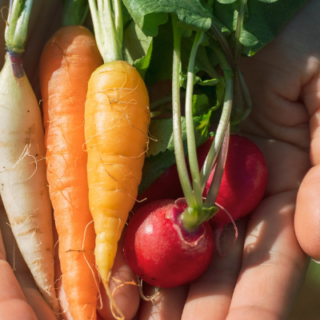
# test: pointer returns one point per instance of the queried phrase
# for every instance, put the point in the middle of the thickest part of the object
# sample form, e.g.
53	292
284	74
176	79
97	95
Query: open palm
262	275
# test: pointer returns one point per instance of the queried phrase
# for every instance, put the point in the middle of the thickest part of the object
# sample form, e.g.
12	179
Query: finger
124	287
169	305
13	304
210	296
273	264
22	273
307	218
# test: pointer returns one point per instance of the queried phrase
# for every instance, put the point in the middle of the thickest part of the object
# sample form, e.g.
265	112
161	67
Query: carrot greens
74	12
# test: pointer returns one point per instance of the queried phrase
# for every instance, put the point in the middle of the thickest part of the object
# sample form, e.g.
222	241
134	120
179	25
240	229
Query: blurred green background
307	306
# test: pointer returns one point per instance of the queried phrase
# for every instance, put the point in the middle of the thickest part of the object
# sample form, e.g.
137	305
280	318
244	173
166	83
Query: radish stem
216	181
240	18
223	123
224	44
192	151
176	117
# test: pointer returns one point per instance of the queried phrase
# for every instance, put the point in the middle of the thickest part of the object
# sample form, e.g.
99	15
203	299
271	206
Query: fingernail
316	261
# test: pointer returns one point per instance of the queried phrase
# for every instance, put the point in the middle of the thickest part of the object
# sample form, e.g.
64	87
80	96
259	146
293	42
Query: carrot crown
108	27
17	27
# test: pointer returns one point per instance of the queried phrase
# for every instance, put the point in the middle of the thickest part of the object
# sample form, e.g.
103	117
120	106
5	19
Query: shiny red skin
160	251
243	182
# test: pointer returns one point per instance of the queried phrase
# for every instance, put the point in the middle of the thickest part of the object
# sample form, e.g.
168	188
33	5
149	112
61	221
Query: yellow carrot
117	118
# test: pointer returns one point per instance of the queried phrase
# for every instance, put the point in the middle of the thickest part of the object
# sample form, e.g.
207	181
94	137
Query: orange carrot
117	118
67	62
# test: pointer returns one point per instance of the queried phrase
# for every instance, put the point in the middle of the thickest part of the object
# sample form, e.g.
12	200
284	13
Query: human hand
264	270
262	275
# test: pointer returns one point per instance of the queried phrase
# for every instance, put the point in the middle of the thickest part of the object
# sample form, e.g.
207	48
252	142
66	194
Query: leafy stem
192	151
240	19
17	28
224	44
224	120
218	173
118	21
108	28
176	117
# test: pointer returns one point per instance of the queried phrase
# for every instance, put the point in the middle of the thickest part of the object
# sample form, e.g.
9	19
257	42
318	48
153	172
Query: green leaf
226	1
219	93
200	104
137	48
264	20
152	21
248	39
202	128
161	133
142	64
161	62
161	148
197	80
189	12
154	167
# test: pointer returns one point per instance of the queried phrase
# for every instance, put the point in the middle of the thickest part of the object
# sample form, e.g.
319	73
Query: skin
262	275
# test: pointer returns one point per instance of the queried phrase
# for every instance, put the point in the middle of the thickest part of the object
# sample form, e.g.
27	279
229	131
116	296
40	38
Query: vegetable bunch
105	142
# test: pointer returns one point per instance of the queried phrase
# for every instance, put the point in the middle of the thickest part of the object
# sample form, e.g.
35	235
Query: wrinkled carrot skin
67	62
117	118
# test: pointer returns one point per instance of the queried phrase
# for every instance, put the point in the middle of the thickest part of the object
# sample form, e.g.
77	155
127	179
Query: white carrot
23	181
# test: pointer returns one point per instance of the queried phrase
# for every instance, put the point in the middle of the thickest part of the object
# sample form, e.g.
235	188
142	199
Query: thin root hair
152	298
95	281
3	18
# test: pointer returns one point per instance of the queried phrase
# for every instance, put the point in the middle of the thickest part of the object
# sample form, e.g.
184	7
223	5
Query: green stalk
240	19
176	117
118	21
224	120
74	12
216	181
17	28
244	104
191	141
224	44
104	23
245	91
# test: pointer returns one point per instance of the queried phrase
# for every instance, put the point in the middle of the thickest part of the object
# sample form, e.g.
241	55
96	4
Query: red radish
161	251
245	178
243	182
